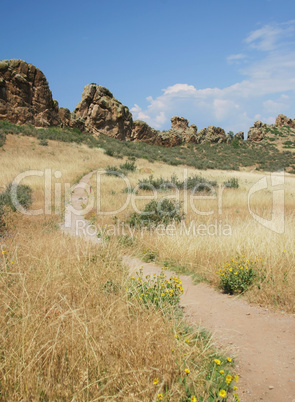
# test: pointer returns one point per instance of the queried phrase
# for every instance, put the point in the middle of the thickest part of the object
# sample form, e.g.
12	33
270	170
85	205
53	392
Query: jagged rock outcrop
212	135
103	114
239	136
141	131
180	125
179	133
69	119
257	132
283	120
25	97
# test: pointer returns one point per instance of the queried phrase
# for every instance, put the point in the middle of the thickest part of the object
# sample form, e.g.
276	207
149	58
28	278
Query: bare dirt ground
262	341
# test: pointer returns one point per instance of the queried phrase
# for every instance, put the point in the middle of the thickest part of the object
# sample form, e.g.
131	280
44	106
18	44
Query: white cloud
236	58
268	88
268	37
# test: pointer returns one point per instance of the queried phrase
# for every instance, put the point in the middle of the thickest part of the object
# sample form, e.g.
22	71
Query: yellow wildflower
228	379
187	371
193	399
217	362
160	397
156	381
236	378
222	393
221	371
229	359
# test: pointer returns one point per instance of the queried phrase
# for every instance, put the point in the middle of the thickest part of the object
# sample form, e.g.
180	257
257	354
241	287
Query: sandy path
262	341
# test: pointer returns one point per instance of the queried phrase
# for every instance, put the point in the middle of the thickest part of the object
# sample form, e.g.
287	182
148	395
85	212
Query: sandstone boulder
170	138
212	135
283	120
25	96
181	126
257	132
103	113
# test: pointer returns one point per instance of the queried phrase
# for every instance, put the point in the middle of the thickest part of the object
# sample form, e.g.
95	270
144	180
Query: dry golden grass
67	328
201	253
69	331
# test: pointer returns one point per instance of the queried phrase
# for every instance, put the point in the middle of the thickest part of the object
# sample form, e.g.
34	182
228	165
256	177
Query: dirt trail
262	341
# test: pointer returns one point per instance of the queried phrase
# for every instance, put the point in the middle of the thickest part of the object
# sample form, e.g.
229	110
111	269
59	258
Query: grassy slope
263	156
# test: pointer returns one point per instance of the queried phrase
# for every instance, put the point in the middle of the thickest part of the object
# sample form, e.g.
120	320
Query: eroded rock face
212	135
141	131
257	132
69	119
283	120
103	114
179	133
25	97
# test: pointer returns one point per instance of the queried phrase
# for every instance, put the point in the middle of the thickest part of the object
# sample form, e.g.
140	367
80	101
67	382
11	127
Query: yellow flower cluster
238	274
225	379
157	289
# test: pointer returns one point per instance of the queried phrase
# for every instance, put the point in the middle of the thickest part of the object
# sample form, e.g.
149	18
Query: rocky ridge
25	98
282	133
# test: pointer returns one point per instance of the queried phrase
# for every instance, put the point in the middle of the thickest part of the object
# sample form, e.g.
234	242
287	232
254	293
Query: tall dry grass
67	328
69	332
232	230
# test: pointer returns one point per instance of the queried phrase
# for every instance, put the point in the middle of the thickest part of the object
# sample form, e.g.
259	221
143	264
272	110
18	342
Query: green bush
2	139
158	184
156	213
7	200
129	166
113	171
43	142
198	183
149	255
232	183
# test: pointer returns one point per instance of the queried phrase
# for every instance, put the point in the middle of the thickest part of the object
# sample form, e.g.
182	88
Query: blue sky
216	62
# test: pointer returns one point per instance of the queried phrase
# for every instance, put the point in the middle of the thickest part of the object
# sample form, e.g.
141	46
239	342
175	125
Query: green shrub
7	200
158	184
232	183
129	166
113	171
23	196
198	183
149	255
43	142
2	139
156	213
239	274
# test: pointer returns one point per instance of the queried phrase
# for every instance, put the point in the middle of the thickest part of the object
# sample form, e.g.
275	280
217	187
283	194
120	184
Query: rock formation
25	96
69	119
257	132
141	131
283	120
103	114
239	136
179	133
211	134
